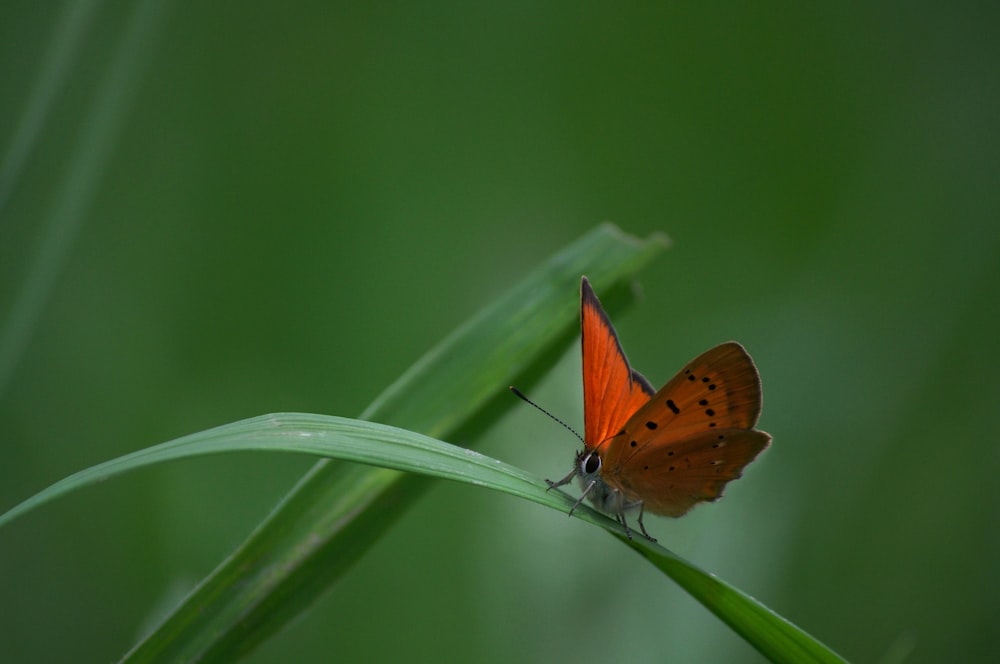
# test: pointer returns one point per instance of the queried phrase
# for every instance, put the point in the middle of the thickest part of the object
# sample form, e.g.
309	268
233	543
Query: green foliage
207	215
333	516
387	447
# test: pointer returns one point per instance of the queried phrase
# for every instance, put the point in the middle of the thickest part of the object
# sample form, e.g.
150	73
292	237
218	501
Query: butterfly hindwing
672	477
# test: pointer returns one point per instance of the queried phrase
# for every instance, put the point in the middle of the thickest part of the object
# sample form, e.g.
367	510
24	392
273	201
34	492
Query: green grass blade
401	450
772	635
61	54
320	435
72	200
336	512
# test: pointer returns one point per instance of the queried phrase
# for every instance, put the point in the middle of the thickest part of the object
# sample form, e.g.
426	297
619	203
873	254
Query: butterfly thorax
603	496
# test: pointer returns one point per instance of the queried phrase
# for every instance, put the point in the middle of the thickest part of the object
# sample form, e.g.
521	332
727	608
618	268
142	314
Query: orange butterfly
662	452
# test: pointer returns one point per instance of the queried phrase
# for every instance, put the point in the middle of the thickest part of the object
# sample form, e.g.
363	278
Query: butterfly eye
591	464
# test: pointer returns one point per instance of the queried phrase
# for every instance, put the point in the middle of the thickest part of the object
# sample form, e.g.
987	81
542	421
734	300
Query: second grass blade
337	511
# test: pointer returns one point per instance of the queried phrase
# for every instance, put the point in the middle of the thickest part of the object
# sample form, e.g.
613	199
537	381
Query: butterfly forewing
671	477
612	390
719	389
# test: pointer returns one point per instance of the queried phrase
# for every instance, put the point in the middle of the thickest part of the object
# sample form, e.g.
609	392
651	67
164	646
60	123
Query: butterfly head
588	466
602	495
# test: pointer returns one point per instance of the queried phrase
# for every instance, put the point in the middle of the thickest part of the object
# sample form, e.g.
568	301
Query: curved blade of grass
389	447
336	512
320	435
773	636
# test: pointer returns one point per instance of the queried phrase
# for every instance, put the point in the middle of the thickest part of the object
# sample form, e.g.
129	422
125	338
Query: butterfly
661	451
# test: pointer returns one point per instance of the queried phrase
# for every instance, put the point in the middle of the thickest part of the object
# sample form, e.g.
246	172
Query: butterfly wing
719	389
695	434
671	476
612	390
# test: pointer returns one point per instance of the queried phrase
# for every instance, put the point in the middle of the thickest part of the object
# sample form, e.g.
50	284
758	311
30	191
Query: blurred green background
254	207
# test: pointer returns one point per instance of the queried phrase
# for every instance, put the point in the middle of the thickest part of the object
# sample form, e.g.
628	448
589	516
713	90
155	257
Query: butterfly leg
565	480
619	512
580	499
642	510
620	518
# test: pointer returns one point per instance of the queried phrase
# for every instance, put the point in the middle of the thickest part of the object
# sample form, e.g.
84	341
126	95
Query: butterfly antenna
527	400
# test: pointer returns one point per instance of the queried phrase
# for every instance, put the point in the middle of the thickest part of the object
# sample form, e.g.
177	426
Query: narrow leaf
389	447
335	513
